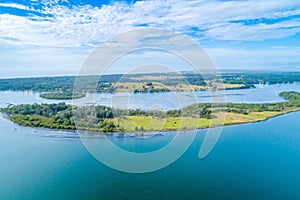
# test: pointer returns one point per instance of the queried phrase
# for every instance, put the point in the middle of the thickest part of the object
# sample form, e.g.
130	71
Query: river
250	161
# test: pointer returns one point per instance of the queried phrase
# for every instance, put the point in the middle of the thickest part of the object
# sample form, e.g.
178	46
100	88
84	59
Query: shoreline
141	133
60	116
42	93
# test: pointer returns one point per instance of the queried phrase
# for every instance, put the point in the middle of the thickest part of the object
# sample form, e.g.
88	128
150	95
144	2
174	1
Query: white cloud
14	5
86	25
61	37
257	32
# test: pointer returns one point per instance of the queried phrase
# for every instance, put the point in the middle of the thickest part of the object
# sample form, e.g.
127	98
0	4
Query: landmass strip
63	87
107	119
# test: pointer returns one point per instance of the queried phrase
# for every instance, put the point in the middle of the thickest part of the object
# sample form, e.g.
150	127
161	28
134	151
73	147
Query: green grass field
146	123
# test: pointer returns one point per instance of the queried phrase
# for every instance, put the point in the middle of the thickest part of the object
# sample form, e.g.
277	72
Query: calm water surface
169	100
250	161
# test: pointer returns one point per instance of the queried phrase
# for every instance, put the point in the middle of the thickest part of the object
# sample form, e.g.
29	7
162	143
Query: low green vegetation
62	95
106	119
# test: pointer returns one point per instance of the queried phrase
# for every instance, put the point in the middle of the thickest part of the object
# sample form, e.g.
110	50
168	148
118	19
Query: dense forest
261	78
107	119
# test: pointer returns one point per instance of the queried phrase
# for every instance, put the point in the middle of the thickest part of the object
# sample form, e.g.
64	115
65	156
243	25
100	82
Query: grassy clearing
146	123
184	87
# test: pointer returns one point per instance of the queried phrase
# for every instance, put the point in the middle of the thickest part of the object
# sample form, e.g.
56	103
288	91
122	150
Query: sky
55	37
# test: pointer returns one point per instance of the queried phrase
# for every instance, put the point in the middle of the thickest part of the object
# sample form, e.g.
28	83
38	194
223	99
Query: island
106	119
62	95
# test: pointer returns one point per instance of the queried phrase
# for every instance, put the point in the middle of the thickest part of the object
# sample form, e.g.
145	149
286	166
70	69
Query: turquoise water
250	161
260	160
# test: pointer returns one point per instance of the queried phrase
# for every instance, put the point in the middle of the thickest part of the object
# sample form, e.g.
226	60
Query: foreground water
250	161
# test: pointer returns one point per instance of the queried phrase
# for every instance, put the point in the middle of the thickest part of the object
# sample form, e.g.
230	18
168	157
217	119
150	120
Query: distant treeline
106	82
92	83
261	78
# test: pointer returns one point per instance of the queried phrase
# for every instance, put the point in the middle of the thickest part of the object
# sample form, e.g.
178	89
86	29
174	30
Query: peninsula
106	119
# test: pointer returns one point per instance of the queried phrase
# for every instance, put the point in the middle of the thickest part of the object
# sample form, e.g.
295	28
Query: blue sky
54	37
